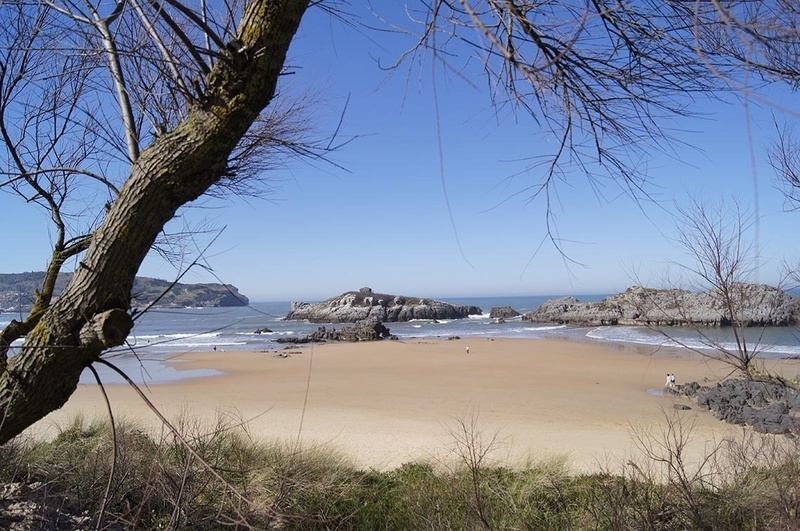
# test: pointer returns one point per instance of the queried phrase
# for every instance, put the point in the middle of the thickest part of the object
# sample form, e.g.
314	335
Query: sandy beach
391	402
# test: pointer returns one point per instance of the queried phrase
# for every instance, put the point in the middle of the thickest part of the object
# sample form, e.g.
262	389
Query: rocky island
762	305
355	306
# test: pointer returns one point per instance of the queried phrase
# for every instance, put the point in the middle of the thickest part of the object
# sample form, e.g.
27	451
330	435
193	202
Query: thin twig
113	424
175	431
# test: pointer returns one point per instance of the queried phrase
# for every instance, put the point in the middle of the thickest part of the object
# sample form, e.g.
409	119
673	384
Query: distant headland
17	290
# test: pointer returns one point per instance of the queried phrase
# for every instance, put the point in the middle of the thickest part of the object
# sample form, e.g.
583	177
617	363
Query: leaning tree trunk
92	314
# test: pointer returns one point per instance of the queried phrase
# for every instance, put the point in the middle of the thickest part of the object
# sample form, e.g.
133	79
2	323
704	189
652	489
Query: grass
749	483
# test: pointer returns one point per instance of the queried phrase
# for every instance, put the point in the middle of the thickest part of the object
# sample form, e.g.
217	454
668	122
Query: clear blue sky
385	223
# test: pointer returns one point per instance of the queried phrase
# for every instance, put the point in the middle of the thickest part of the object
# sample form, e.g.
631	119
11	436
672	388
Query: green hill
17	289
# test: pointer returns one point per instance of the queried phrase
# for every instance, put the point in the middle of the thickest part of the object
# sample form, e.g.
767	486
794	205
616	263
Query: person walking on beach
467	349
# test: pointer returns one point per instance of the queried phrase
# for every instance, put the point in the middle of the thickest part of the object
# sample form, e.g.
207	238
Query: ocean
161	333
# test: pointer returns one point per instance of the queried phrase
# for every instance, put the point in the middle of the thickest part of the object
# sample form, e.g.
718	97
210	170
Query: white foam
683	339
544	328
170	337
194	344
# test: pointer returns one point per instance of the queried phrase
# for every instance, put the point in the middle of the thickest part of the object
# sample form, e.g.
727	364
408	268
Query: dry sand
391	402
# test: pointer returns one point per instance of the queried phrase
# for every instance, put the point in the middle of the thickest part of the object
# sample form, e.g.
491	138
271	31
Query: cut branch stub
106	330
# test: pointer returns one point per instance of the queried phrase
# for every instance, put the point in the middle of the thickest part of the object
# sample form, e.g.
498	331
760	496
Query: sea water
161	333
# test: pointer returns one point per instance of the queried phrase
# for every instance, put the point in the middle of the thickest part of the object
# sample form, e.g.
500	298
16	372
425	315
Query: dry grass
751	482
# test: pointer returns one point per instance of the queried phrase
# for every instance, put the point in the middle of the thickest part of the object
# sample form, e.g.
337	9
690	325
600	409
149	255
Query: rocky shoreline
765	406
758	305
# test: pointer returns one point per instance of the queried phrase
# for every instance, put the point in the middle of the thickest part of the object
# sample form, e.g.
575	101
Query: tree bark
92	314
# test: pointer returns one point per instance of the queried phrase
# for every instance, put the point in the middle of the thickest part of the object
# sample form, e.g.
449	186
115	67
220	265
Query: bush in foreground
230	480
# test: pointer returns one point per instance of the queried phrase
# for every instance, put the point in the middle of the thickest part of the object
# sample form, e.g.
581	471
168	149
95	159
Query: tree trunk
92	314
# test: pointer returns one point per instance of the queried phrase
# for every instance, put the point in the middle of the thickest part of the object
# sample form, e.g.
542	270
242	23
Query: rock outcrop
757	305
767	407
354	306
503	312
34	506
366	330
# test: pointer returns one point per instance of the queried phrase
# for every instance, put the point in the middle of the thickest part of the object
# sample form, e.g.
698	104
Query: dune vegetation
224	478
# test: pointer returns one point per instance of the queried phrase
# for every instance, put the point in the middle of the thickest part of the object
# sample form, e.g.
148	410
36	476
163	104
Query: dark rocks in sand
765	306
355	306
767	407
296	340
366	330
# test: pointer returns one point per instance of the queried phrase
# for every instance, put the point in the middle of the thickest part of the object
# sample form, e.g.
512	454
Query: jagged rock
764	306
366	330
355	306
264	330
503	312
767	407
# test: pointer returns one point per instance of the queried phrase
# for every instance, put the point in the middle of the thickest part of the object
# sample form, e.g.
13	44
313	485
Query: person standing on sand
467	349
